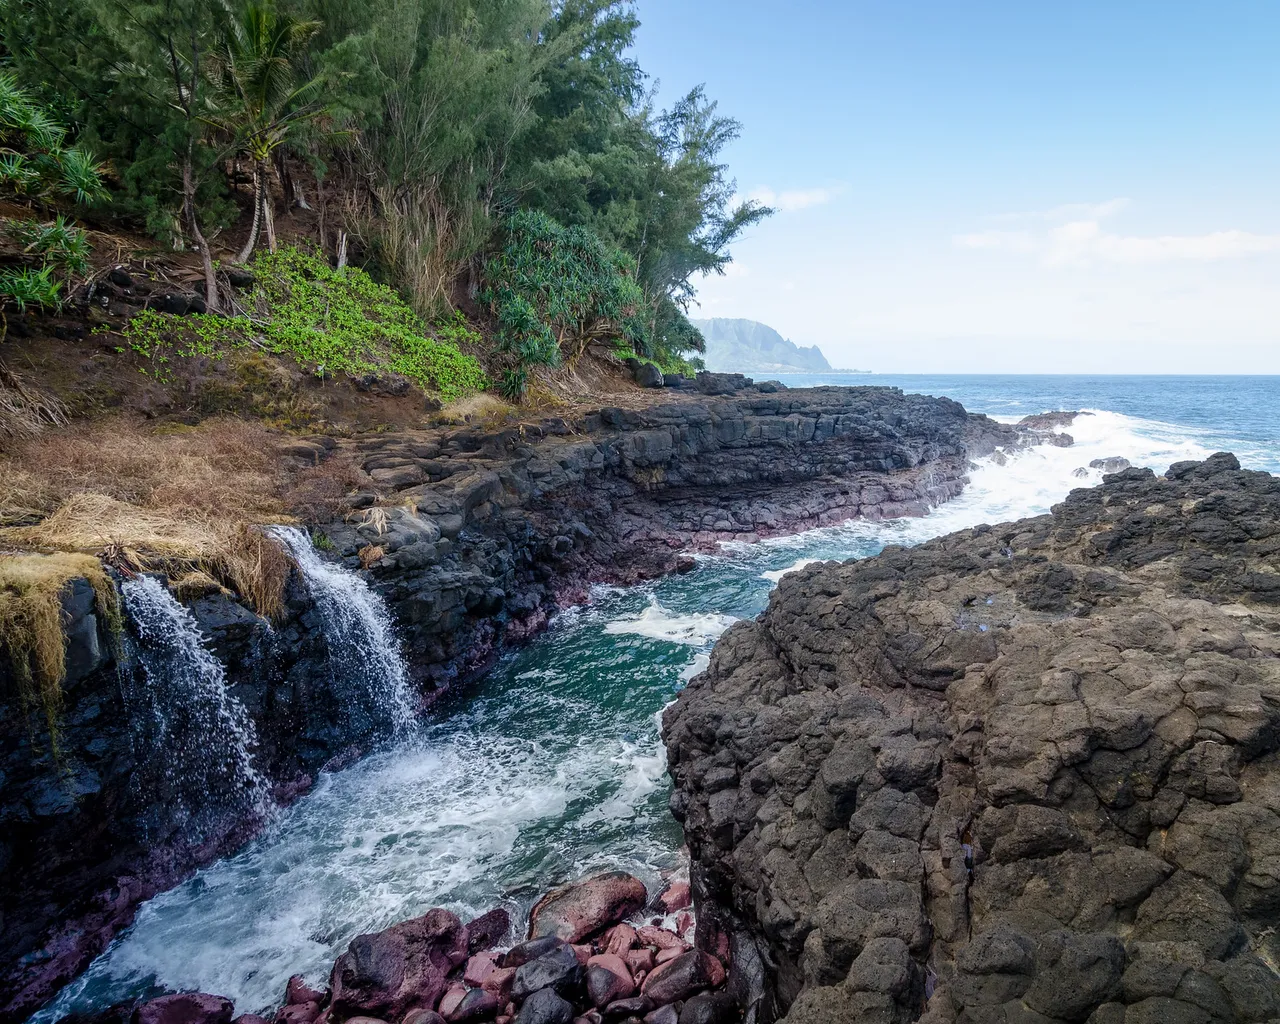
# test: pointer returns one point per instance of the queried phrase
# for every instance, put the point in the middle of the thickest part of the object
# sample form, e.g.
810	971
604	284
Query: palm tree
261	105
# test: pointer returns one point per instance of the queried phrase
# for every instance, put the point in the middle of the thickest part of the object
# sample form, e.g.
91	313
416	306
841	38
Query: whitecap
660	624
774	575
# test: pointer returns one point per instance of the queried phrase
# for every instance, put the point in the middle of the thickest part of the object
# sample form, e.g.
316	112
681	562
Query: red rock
499	981
386	974
660	937
638	960
578	911
676	896
185	1008
662	1015
250	1018
365	1020
451	999
298	991
583	953
612	962
479	967
298	1013
667	955
678	978
715	970
620	938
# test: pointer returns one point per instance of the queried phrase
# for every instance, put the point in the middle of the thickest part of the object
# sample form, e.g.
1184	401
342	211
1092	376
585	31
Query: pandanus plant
261	105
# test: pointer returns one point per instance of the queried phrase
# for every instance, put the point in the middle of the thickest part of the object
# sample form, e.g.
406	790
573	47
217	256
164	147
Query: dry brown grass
481	409
25	409
184	500
31	633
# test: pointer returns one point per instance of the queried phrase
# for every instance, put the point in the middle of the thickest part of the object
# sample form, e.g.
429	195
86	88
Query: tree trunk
247	251
193	225
342	249
268	212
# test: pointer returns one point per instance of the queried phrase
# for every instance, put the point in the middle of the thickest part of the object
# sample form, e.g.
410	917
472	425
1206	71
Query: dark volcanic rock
484	534
545	1007
1025	772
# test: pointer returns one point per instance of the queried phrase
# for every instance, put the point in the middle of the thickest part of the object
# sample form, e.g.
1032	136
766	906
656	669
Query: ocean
551	766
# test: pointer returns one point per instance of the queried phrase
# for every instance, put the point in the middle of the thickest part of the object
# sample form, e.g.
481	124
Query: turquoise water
552	766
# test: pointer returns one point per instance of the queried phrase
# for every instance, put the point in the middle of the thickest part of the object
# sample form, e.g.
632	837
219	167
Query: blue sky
982	187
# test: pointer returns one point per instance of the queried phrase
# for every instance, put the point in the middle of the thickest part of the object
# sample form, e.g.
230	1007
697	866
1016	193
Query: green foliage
28	286
35	161
331	321
554	290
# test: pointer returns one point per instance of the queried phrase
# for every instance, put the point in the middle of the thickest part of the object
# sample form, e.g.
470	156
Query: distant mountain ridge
746	346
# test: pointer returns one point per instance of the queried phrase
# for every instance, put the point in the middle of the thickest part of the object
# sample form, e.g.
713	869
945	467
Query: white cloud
790	200
1073	235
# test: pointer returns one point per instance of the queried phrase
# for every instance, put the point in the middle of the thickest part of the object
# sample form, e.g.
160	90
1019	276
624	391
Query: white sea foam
773	575
655	621
699	664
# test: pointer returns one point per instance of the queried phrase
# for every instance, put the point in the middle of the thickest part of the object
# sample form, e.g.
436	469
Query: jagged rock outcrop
1019	773
477	537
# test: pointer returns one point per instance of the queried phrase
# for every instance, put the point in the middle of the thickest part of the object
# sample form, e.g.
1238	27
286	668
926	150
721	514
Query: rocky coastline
474	537
598	949
1023	772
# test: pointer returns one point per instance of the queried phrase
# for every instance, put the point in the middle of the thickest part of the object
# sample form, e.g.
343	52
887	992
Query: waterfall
197	735
363	648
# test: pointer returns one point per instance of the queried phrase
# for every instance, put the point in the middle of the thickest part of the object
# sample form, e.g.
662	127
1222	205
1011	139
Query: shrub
332	321
554	290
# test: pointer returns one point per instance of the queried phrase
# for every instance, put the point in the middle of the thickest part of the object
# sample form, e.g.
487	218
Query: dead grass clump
25	409
369	554
483	409
31	631
185	500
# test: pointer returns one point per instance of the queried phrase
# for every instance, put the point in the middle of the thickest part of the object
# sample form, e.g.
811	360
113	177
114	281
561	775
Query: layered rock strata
475	537
1020	773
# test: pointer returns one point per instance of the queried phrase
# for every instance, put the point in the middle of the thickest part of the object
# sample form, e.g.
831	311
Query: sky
983	187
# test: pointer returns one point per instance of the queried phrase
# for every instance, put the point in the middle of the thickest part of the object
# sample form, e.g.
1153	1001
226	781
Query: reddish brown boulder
620	938
250	1018
638	960
499	982
479	967
676	896
386	974
581	910
660	937
679	978
298	991
298	1013
185	1008
451	1000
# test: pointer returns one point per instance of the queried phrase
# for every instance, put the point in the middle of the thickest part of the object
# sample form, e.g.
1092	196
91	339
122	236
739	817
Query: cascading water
197	737
364	652
552	766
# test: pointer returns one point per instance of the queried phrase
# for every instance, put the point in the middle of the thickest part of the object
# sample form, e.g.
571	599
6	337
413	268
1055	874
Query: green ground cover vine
333	322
